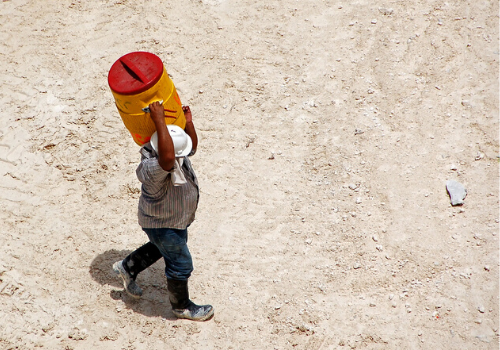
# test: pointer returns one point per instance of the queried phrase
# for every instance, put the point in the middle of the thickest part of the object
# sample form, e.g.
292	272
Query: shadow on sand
154	301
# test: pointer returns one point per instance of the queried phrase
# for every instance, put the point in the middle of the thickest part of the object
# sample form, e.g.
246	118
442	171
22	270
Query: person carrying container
167	206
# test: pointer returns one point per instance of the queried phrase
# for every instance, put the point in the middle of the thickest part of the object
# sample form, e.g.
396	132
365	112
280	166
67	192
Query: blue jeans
169	243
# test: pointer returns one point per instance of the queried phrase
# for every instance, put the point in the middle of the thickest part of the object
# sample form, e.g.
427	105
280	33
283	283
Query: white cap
182	141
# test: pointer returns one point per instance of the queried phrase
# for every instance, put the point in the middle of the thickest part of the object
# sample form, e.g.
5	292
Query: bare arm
190	130
166	152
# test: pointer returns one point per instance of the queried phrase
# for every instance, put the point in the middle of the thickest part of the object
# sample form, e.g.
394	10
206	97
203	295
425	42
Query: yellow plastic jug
136	80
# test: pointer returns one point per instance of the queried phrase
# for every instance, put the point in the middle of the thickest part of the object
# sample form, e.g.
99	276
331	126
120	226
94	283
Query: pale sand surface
327	130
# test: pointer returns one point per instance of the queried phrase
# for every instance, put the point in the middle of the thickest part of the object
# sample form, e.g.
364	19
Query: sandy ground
328	130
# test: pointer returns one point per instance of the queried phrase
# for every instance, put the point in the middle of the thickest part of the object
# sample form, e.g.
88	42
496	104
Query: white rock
484	338
386	11
375	237
481	309
456	191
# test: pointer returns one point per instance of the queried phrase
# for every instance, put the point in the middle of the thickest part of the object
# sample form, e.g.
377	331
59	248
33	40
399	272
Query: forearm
166	151
191	131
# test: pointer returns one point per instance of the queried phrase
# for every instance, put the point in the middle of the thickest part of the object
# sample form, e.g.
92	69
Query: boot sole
204	318
119	273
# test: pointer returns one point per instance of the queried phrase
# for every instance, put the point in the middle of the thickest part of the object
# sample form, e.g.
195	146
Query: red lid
135	72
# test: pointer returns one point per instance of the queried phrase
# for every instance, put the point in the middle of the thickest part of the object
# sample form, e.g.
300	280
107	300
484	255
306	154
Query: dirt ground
328	130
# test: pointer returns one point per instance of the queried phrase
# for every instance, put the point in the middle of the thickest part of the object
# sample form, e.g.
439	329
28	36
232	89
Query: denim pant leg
141	259
172	244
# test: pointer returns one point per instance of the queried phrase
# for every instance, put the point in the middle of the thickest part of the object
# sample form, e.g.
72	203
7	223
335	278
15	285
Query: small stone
374	21
373	304
487	268
304	328
375	237
456	191
356	265
358	200
481	309
391	296
385	11
379	248
352	186
483	337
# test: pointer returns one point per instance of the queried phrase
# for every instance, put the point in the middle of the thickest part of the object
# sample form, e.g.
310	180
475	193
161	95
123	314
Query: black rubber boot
182	307
133	264
140	259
